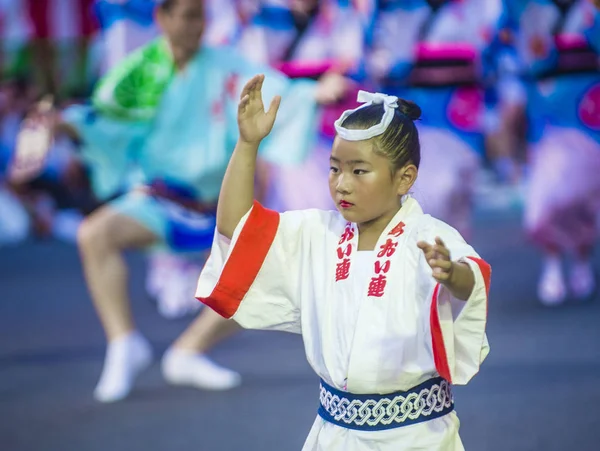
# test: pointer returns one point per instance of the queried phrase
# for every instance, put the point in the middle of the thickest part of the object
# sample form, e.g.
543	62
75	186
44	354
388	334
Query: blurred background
510	135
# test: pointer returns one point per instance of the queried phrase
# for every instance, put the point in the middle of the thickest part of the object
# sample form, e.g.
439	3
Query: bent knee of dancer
99	233
91	235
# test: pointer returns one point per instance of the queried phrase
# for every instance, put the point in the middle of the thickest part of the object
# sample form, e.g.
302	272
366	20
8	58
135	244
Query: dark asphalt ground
538	390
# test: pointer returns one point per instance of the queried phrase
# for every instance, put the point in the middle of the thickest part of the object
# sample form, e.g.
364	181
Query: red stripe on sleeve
437	338
439	350
245	261
486	272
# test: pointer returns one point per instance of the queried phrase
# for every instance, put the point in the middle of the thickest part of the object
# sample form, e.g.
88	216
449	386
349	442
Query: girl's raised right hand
253	122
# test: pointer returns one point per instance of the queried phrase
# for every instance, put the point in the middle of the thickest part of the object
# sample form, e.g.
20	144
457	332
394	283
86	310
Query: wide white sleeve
255	278
458	339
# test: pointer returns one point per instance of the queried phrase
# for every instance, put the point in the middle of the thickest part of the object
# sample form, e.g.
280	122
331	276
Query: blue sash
429	400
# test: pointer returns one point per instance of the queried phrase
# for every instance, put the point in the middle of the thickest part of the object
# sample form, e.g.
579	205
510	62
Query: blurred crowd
500	82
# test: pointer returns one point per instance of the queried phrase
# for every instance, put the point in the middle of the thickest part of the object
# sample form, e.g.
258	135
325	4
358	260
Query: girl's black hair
400	141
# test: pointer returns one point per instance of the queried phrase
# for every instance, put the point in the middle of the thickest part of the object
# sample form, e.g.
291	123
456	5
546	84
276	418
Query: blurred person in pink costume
558	44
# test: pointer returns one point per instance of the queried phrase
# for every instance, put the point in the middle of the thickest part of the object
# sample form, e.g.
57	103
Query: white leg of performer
102	238
185	362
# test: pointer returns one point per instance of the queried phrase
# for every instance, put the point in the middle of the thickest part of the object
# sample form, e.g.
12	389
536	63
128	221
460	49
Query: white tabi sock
551	288
181	367
125	358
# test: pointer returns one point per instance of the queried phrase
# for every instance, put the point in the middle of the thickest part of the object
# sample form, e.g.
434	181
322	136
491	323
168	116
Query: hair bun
410	109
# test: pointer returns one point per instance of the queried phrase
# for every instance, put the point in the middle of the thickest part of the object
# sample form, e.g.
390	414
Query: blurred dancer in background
558	43
505	100
127	25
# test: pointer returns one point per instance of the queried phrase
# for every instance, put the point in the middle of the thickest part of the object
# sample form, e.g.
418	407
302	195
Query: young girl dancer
391	303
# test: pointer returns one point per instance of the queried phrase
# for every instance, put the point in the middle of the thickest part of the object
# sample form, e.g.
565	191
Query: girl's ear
405	178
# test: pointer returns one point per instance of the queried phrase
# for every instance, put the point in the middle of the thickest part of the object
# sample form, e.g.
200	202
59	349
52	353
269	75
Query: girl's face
362	184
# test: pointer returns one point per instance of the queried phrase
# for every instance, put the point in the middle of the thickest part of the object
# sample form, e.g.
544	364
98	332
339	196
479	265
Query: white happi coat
300	271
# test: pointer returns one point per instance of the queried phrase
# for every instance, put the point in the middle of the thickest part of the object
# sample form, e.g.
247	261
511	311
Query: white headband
390	103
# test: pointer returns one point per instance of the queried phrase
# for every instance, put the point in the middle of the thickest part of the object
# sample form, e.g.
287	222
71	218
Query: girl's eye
360	171
333	169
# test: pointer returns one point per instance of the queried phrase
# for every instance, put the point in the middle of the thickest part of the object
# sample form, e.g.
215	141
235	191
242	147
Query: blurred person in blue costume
168	113
558	44
505	119
310	38
127	25
430	51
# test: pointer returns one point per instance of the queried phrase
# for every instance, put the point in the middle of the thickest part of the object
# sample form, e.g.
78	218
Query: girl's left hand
438	258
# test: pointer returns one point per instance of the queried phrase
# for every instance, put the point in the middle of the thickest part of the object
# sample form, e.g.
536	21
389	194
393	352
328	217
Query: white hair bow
390	103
